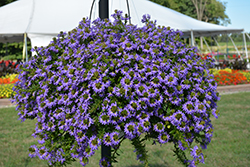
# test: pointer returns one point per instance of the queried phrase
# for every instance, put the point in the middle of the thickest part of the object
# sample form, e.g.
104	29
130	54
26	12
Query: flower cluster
108	81
230	77
6	85
246	74
6	90
205	56
9	79
233	56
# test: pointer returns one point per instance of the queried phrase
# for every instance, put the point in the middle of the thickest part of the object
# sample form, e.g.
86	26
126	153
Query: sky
239	13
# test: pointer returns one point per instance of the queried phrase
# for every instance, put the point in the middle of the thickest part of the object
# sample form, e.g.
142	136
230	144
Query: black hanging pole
103	14
104	9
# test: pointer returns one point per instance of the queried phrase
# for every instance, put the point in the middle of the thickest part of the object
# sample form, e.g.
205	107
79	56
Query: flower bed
6	85
6	90
231	77
9	79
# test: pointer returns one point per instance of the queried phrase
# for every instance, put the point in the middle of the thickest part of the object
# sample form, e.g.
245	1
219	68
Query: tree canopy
5	2
214	10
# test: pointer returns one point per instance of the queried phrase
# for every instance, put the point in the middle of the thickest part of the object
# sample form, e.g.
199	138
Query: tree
200	6
213	10
215	13
5	2
182	6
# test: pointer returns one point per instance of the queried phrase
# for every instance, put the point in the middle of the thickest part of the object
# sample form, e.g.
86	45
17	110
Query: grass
231	44
229	146
223	47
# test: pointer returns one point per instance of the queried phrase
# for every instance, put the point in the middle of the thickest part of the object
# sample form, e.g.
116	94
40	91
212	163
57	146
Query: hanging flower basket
109	81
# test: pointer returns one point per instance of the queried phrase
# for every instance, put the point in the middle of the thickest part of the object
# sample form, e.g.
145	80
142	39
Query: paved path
221	89
233	89
6	103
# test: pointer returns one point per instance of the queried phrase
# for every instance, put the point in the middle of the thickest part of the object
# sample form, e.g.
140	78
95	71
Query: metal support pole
6	49
106	151
227	44
217	43
192	38
247	35
235	47
244	38
207	45
218	46
210	50
103	14
218	50
26	50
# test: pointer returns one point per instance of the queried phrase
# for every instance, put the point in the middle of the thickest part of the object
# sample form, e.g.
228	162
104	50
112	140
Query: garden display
105	82
6	90
6	85
8	67
230	77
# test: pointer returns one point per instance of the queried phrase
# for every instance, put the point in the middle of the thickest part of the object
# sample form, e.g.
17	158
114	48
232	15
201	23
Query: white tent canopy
43	19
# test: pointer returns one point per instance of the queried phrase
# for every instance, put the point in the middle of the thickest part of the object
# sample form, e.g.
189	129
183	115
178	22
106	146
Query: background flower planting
230	77
6	90
6	85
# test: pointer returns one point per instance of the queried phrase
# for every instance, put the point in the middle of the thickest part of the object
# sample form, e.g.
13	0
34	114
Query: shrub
109	81
8	67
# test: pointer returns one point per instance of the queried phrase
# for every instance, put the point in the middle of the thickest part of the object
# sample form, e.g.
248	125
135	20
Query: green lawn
229	147
236	43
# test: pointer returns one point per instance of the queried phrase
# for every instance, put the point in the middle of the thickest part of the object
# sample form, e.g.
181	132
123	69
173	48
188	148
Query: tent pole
235	47
207	45
227	45
244	38
192	38
209	49
24	46
26	50
217	43
218	50
247	35
199	50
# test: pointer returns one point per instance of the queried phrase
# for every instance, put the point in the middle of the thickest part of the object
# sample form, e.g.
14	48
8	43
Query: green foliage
237	37
214	11
13	51
182	6
5	2
140	148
